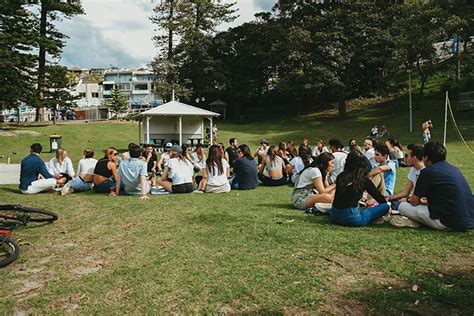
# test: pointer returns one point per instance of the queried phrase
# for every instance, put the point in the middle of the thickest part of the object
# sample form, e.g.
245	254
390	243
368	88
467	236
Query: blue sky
118	32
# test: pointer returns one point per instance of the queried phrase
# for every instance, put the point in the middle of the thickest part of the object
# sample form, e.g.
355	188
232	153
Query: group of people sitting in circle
355	186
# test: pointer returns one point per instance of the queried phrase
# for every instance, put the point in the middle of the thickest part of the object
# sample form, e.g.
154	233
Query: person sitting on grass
369	152
313	183
198	158
261	151
319	149
32	167
298	163
272	171
178	174
61	165
291	149
105	173
245	170
133	173
216	173
165	156
353	146
449	199
151	160
340	156
85	171
350	185
386	167
414	159
232	150
224	153
396	151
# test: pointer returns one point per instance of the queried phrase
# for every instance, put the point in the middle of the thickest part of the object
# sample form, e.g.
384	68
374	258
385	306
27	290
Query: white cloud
119	32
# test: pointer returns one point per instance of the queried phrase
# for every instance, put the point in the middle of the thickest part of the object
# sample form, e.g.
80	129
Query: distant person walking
425	126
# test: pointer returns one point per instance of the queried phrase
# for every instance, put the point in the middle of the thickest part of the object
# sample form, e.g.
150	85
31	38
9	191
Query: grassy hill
241	252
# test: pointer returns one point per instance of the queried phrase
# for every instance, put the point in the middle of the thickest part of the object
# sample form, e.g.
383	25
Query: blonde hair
59	153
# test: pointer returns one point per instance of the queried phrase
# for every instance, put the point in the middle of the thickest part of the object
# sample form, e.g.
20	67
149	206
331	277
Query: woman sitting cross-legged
350	185
178	174
313	183
272	171
61	165
216	172
245	170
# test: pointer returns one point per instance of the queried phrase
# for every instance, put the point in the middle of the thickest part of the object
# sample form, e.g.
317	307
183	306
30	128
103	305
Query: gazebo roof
218	102
175	108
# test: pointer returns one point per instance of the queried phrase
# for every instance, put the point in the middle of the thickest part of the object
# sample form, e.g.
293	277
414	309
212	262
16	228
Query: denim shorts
300	197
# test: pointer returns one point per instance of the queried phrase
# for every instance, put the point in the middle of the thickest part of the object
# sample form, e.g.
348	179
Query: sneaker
402	221
66	190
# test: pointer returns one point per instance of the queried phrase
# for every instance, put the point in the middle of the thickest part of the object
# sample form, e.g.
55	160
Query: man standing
450	204
369	152
232	150
31	167
133	173
386	166
425	126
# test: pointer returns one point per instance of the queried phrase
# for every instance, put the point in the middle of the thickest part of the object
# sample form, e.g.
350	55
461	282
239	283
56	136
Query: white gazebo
175	121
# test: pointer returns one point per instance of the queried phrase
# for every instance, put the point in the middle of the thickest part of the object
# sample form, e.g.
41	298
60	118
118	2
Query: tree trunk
41	60
170	31
423	79
342	106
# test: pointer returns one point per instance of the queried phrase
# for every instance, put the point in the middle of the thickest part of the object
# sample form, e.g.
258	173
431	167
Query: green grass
242	252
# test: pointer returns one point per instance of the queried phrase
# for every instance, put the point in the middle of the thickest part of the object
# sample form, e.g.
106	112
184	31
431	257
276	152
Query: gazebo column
140	135
180	126
211	134
202	131
148	129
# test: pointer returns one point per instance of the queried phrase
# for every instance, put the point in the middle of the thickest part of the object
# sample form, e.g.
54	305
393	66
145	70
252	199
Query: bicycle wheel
26	214
9	251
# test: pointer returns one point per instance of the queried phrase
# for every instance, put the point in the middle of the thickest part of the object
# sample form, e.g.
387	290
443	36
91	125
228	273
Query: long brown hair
214	160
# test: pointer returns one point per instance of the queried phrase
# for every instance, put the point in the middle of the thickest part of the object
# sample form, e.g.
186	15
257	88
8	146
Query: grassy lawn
242	252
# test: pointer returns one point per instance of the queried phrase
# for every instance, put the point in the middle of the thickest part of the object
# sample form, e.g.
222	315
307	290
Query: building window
82	94
123	86
108	87
95	94
141	86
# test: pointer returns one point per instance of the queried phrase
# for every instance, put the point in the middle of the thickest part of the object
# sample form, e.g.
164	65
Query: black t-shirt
449	195
150	165
346	197
232	152
245	171
101	168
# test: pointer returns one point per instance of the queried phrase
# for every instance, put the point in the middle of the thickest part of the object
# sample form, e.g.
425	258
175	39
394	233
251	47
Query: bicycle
12	217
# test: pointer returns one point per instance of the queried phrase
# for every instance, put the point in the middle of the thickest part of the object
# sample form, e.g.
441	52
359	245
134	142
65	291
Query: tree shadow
438	293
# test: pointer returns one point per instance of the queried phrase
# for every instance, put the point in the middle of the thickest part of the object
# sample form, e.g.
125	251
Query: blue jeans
355	217
233	184
79	185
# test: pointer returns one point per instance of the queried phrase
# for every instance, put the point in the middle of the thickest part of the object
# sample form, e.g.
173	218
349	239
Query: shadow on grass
436	293
9	189
285	206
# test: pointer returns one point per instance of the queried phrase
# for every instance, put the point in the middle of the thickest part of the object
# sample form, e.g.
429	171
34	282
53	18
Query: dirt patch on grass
13	133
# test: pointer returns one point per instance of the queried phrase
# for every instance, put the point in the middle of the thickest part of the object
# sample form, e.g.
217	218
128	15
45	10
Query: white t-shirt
317	152
339	163
218	179
201	164
370	154
86	166
413	175
166	157
181	171
65	167
306	178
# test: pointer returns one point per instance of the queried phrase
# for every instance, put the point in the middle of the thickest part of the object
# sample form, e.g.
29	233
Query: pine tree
116	103
17	63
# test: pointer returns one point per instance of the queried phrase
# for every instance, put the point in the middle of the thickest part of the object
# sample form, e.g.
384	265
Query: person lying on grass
313	183
133	173
272	171
178	174
350	185
216	173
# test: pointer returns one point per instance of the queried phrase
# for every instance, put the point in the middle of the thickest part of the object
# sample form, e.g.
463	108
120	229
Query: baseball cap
264	141
168	145
368	142
176	148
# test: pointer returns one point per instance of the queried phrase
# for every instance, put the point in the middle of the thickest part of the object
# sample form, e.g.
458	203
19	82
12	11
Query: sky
118	32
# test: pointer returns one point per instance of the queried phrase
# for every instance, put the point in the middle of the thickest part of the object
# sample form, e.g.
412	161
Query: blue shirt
390	176
449	195
245	173
130	171
31	166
